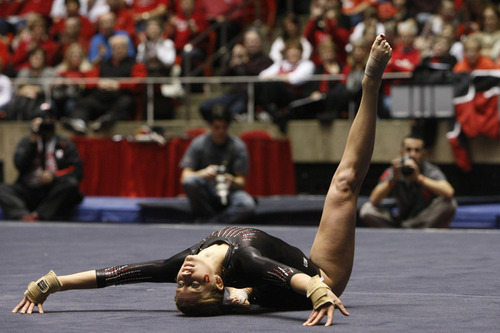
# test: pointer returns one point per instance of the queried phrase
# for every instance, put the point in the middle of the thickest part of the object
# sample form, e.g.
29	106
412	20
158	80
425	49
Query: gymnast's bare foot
380	54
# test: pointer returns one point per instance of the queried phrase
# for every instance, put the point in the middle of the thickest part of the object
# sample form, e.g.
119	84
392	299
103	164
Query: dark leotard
254	259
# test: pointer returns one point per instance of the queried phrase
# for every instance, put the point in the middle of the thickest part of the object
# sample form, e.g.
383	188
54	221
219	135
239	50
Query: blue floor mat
277	210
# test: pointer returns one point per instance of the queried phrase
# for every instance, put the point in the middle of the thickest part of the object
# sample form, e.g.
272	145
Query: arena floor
403	281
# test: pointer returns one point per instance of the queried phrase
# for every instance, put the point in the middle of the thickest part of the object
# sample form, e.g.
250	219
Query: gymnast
250	266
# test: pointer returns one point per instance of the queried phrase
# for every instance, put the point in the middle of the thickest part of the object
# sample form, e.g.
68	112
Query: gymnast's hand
239	296
27	306
38	292
326	310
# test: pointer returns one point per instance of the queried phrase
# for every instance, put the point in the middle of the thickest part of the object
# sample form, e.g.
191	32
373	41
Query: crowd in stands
71	39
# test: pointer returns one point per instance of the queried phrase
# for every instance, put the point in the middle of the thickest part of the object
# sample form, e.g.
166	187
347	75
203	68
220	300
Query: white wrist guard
38	291
317	291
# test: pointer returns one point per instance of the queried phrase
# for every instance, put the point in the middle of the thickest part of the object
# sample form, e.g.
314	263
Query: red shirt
142	6
52	54
339	35
214	8
401	54
87	29
483	63
138	70
5	56
182	34
22	8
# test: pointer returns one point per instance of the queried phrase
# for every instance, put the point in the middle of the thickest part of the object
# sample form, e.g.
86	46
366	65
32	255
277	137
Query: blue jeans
236	104
206	205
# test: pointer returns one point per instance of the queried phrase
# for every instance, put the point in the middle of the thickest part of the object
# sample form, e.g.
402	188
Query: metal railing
149	82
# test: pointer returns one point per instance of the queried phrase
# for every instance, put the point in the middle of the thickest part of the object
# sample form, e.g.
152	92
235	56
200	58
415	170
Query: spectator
158	55
91	9
424	196
59	25
447	14
235	96
246	60
214	172
124	17
290	30
5	92
5	58
72	34
188	23
50	171
438	67
110	99
22	9
354	9
285	81
74	66
31	94
144	10
100	48
473	59
457	46
489	33
370	21
227	14
320	27
405	58
423	9
326	98
36	36
333	11
253	40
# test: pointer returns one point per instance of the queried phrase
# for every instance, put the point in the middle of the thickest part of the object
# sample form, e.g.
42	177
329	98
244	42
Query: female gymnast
250	264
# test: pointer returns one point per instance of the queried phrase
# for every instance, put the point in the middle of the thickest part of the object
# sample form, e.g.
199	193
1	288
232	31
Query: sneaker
78	126
173	90
264	117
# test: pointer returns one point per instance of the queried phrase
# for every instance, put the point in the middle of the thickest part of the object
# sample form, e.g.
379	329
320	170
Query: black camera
46	127
406	169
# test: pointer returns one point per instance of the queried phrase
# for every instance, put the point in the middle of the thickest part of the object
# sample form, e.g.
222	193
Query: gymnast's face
195	279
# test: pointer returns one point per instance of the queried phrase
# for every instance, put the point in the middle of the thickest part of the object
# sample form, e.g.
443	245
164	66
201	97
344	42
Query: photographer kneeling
423	194
215	166
50	171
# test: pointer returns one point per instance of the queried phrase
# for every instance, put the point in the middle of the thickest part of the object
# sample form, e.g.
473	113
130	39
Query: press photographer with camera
214	172
50	171
423	194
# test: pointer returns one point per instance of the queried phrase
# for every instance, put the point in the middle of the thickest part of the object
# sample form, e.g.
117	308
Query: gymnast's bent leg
333	247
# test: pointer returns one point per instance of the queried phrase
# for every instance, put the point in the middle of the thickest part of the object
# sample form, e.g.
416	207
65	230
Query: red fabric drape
132	169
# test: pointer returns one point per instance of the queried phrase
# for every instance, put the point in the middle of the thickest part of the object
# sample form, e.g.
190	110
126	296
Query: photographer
424	196
50	171
214	173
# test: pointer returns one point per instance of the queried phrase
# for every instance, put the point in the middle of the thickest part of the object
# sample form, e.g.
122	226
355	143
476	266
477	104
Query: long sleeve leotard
254	259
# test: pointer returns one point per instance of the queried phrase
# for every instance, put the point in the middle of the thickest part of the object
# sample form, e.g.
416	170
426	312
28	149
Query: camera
221	187
406	169
46	127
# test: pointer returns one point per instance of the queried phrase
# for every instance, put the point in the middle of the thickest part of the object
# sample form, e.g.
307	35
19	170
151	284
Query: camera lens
406	169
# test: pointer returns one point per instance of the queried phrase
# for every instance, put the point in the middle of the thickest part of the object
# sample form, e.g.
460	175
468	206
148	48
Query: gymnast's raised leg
333	247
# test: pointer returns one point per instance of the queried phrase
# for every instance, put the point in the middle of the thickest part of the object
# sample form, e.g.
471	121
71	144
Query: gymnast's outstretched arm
151	271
